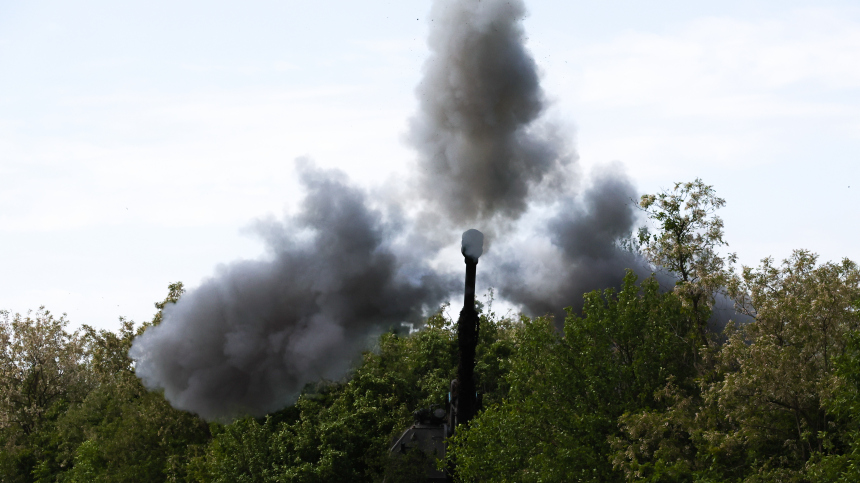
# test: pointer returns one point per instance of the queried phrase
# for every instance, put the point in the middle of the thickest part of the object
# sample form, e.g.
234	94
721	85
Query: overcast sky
137	141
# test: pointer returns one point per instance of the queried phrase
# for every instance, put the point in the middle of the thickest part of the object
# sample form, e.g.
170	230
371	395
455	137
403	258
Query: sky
139	142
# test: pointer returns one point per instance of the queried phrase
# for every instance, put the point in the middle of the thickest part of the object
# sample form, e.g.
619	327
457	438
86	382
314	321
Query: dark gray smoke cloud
487	155
482	155
248	339
576	252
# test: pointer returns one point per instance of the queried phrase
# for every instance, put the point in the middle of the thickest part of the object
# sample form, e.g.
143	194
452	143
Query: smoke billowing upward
482	156
247	340
578	250
487	155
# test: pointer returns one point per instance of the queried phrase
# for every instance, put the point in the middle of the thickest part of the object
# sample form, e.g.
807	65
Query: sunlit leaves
686	243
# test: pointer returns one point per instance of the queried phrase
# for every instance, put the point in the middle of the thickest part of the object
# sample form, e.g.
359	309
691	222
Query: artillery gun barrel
467	330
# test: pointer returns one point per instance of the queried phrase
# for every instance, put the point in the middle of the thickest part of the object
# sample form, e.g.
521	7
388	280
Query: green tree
40	366
843	403
174	291
762	415
780	368
342	430
121	431
568	390
41	374
659	444
686	244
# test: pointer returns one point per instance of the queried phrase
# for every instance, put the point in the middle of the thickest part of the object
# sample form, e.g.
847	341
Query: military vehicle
414	455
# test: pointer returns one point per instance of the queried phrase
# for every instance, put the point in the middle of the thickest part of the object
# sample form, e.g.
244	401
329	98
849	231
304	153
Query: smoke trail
248	339
482	156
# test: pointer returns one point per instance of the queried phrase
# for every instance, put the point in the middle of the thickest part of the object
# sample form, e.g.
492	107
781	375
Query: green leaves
775	404
783	364
632	389
568	390
41	365
42	372
341	431
686	244
72	409
121	431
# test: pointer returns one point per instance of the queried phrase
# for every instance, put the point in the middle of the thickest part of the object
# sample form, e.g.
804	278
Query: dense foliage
636	387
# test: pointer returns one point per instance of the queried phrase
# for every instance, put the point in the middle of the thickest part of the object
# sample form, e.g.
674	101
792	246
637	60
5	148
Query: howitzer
466	401
417	449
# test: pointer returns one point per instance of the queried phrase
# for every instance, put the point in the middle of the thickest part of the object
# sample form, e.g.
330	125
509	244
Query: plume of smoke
487	155
578	250
482	156
248	339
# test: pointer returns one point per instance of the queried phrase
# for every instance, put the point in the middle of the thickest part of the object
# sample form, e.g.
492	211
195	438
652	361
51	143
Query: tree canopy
635	387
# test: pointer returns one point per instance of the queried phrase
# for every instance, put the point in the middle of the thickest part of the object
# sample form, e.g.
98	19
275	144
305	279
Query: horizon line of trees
634	388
